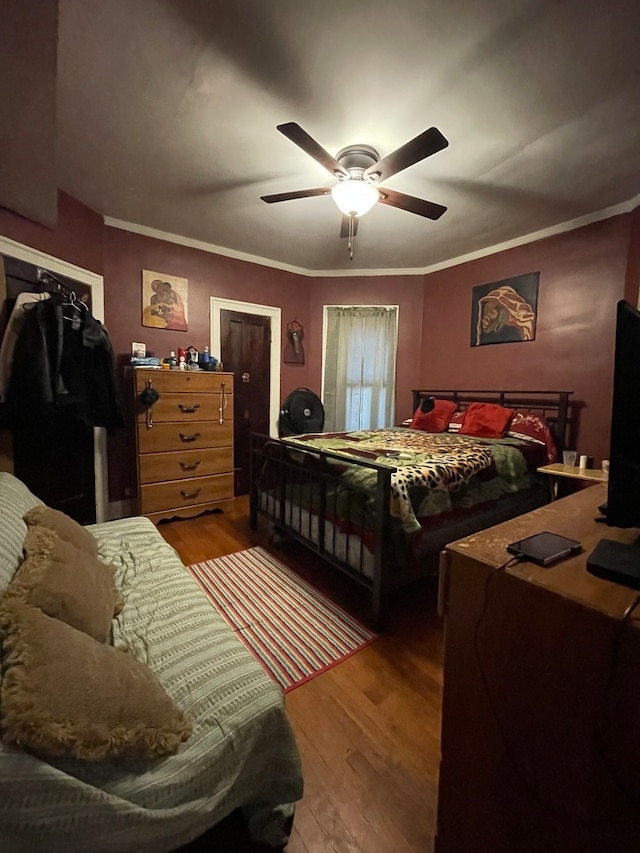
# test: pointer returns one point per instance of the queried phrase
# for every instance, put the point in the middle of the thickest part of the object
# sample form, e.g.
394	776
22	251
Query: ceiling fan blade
296	194
344	226
424	145
302	139
408	202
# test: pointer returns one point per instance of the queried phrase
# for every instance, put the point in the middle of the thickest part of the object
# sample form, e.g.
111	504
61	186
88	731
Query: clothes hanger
48	278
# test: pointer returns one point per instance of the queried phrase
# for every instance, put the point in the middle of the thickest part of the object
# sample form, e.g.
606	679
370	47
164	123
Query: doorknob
246	377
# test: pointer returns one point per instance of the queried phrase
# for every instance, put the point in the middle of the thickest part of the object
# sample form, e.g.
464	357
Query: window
359	367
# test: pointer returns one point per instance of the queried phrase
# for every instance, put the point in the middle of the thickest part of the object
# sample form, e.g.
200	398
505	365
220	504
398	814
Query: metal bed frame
280	470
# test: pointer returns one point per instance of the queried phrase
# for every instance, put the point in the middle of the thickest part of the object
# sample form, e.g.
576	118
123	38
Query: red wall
77	238
632	282
582	275
127	254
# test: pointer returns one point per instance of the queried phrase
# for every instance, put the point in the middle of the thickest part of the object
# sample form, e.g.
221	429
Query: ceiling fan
359	170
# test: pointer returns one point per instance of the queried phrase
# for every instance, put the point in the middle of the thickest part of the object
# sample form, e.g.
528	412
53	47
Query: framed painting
505	311
164	301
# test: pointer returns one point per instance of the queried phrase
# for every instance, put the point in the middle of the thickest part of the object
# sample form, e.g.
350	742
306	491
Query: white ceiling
167	115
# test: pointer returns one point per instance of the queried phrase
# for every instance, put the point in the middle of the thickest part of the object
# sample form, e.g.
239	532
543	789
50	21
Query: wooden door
245	351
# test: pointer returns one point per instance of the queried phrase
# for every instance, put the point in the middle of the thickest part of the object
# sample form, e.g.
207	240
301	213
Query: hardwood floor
369	729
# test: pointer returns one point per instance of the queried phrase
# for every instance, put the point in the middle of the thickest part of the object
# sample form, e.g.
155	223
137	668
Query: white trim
560	228
56	265
217	304
96	283
198	244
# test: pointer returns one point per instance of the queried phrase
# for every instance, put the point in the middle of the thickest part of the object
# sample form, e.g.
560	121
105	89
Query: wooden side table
557	470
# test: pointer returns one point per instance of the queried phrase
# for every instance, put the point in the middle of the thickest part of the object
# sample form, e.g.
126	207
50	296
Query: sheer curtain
360	367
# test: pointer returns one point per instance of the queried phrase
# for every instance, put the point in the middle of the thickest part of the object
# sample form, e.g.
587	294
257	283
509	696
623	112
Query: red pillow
533	428
437	420
486	420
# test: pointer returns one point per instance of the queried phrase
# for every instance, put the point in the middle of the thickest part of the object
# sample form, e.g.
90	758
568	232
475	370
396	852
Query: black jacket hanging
63	365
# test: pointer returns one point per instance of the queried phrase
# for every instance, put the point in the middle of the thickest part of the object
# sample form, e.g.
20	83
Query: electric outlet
127	491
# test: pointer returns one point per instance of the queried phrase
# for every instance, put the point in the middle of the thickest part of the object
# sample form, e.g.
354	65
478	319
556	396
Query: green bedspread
431	472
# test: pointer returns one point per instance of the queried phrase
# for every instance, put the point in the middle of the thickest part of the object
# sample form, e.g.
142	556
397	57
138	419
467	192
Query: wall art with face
505	311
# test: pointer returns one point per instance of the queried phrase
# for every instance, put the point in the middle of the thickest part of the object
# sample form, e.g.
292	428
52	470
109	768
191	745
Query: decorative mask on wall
293	349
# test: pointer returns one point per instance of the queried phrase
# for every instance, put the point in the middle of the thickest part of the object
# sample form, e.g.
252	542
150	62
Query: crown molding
560	228
552	231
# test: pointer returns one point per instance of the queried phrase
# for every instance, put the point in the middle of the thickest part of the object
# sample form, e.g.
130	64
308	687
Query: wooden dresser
184	442
541	698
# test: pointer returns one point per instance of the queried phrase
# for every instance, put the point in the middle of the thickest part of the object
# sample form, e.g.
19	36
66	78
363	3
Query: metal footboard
303	494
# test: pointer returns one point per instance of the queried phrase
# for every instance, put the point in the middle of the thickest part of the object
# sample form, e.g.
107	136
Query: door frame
218	304
96	283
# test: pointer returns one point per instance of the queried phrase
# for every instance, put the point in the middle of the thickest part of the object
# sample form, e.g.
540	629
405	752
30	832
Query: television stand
541	693
617	562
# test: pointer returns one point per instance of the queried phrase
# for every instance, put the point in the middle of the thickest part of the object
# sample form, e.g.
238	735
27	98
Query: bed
381	504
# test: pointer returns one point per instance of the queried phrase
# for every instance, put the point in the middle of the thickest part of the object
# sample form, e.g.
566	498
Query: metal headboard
551	405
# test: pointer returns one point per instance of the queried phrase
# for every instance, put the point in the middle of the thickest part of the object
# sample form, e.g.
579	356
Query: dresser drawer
184	380
195	406
185	493
184	464
195	380
184	436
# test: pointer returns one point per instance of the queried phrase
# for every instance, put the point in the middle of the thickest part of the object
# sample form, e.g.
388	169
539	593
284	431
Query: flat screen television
614	560
623	498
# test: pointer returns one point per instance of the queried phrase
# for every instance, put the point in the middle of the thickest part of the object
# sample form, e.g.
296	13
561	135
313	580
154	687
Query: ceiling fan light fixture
354	197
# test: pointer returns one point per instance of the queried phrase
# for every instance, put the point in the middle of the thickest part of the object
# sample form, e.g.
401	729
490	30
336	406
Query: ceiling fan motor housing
356	159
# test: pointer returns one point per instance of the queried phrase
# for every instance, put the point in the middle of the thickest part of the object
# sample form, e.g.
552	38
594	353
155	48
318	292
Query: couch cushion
67	583
15	500
67	528
64	694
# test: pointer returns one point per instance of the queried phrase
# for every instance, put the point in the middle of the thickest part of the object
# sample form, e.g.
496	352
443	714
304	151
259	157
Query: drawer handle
193	437
193	467
190	495
188	410
223	403
149	395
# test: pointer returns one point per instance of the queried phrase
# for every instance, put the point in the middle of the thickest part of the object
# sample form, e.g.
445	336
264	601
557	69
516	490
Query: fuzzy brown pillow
66	583
67	528
64	694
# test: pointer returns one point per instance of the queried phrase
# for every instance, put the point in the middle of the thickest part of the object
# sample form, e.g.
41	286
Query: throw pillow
486	420
436	420
66	583
534	428
67	528
64	694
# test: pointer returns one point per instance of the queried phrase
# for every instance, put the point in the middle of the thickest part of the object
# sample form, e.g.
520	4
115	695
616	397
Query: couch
231	746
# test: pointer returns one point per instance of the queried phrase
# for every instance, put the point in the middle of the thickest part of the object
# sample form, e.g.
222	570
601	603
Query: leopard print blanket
420	459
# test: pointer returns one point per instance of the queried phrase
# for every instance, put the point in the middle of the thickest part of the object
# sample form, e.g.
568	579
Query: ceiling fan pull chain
352	236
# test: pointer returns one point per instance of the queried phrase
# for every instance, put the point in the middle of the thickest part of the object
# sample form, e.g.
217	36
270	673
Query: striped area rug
294	631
